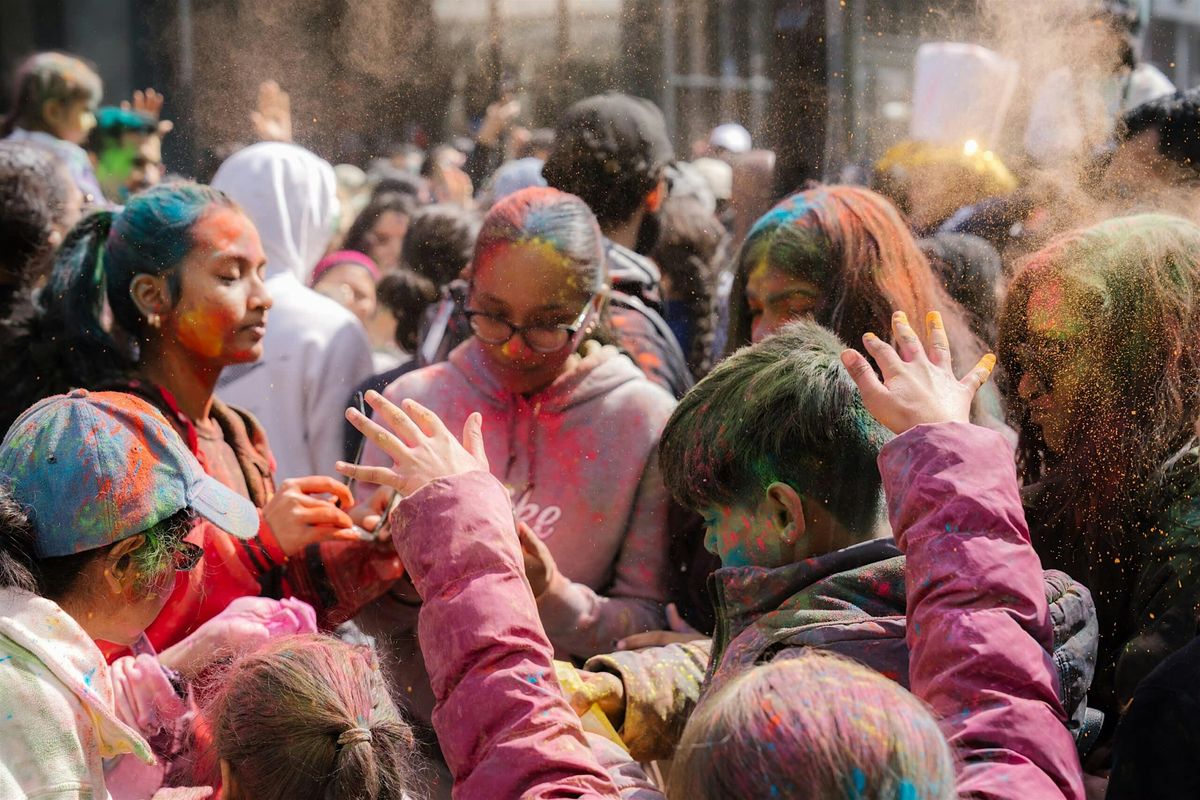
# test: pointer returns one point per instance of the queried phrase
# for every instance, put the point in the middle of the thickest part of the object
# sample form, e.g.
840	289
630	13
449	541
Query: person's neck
625	233
826	535
192	383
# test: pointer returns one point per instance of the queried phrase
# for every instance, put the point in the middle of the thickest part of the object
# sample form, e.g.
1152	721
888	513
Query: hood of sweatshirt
758	608
40	627
599	371
579	458
290	195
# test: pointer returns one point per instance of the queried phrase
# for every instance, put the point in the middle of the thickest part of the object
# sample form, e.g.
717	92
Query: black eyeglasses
540	338
186	556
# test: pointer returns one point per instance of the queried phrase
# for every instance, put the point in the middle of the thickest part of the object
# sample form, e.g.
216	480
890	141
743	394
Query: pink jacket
978	627
502	723
978	630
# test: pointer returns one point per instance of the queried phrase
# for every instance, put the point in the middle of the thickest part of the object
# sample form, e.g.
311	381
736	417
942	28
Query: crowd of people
555	464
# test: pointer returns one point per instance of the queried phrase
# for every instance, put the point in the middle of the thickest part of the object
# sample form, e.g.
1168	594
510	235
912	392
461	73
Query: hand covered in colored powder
917	388
144	697
421	447
602	689
245	625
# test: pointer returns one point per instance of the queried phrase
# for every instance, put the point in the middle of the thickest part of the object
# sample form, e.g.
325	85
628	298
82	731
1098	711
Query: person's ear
54	114
785	509
656	198
151	295
119	567
229	785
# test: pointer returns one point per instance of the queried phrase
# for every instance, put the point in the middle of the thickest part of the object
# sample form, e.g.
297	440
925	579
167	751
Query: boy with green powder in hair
776	451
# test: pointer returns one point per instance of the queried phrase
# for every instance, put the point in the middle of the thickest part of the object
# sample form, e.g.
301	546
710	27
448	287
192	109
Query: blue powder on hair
785	212
906	791
858	784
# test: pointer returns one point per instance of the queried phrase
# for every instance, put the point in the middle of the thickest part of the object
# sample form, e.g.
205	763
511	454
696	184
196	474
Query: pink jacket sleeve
503	725
978	625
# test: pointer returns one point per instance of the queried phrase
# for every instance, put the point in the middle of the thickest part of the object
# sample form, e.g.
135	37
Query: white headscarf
290	195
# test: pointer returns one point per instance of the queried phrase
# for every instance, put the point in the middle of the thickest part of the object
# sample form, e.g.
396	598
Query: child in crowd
689	252
404	296
348	277
55	97
332	733
182	270
775	450
110	490
979	662
1098	342
315	352
572	431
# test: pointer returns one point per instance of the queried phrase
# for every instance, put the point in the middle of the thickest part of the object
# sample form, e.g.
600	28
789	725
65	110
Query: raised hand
272	116
420	446
150	102
917	387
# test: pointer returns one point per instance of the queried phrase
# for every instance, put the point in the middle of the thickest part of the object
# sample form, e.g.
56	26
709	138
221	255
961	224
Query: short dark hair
406	294
439	241
609	150
1176	118
785	410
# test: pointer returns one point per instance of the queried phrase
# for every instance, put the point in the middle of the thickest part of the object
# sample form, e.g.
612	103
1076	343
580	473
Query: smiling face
529	283
776	298
221	314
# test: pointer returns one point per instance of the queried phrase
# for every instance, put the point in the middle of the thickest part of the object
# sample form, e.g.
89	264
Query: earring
154	320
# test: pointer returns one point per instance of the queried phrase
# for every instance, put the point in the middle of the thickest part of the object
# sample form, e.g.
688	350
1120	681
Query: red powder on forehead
228	232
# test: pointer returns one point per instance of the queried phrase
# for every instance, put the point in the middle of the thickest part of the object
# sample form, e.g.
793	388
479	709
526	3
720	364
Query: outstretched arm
502	722
978	627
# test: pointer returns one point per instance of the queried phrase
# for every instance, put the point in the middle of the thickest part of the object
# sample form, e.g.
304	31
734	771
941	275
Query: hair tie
352	736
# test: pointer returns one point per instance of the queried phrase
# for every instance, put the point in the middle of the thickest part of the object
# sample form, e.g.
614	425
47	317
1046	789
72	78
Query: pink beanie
343	257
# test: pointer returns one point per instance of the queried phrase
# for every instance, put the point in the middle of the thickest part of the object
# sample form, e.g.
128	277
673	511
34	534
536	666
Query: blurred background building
824	83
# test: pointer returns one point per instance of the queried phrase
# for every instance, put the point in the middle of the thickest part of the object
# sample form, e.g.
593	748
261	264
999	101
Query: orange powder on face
203	331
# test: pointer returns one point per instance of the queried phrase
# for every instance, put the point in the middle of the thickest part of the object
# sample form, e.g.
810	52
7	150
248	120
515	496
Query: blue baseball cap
98	467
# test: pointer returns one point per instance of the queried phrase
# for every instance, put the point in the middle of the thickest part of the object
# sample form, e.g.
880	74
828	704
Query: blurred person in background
612	151
55	97
380	228
315	351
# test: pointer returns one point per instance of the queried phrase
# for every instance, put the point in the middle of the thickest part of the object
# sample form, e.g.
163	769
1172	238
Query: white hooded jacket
315	352
57	705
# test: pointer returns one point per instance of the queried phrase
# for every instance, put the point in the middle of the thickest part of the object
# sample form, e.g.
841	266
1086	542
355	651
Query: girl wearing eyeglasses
570	426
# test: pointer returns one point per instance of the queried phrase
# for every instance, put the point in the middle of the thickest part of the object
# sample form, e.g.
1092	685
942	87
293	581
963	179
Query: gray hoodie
580	461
